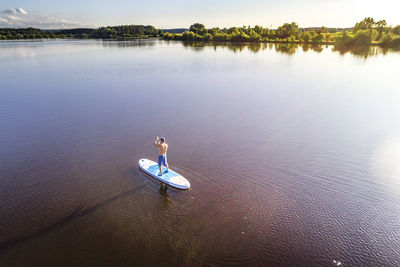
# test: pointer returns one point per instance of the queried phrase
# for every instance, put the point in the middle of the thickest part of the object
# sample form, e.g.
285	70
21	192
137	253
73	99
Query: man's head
162	140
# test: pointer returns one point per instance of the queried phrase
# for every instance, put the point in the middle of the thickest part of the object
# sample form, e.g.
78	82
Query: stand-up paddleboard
170	178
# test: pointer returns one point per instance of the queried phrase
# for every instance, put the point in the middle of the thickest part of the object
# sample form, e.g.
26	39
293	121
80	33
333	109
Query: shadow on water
365	51
314	47
164	196
288	48
284	48
76	214
124	43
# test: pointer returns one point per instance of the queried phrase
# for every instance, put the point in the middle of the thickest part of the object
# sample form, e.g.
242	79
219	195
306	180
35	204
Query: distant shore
365	33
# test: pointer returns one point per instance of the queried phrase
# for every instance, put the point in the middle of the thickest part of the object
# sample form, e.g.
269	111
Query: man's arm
156	142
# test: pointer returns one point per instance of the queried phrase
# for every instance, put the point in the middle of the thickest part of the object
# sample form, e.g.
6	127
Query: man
162	157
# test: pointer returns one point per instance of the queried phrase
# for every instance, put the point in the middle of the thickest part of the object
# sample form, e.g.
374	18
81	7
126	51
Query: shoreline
367	32
194	41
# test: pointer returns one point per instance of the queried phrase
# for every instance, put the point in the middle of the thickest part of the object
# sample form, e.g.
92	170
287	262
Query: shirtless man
162	157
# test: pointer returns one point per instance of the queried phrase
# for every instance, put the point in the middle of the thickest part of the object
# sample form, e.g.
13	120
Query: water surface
293	154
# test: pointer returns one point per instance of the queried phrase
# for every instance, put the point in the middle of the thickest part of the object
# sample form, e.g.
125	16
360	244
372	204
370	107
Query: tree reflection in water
288	48
284	48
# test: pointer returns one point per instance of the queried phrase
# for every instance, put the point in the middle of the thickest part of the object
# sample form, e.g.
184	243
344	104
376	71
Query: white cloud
9	11
13	17
15	11
19	18
20	10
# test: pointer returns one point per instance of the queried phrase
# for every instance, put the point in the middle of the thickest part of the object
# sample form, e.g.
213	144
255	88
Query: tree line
366	32
110	32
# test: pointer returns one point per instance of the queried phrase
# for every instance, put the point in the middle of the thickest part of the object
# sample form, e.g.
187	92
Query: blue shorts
162	159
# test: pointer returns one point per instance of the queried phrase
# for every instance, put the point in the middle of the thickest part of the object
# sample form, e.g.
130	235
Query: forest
109	32
364	33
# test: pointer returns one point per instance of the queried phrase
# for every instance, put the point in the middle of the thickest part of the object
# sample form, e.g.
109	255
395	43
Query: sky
47	14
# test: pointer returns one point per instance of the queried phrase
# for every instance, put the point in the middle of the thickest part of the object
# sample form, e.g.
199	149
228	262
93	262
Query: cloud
19	18
15	11
13	18
20	10
9	11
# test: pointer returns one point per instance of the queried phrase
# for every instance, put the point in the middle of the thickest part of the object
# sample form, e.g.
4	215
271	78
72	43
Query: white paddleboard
170	178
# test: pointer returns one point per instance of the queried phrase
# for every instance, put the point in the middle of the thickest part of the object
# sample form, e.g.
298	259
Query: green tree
287	30
323	29
317	39
258	29
386	39
238	36
207	37
168	36
365	24
233	30
264	32
271	34
220	37
214	31
306	37
254	36
198	28
380	25
188	35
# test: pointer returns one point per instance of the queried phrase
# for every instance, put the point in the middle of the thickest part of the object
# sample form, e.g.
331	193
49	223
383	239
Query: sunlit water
293	154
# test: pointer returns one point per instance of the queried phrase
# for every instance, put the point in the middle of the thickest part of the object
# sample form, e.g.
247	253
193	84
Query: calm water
293	154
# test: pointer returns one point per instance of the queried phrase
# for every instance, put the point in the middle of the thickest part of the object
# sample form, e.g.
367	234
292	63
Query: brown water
293	154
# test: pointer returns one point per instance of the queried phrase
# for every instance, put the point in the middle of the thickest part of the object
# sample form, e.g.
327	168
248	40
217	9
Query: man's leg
160	170
159	165
166	163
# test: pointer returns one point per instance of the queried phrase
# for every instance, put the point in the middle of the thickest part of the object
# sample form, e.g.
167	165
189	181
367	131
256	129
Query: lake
292	152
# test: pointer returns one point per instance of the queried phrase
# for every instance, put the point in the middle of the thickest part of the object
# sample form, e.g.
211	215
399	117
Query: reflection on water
313	47
74	215
292	152
129	43
285	48
366	51
252	47
290	48
164	196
